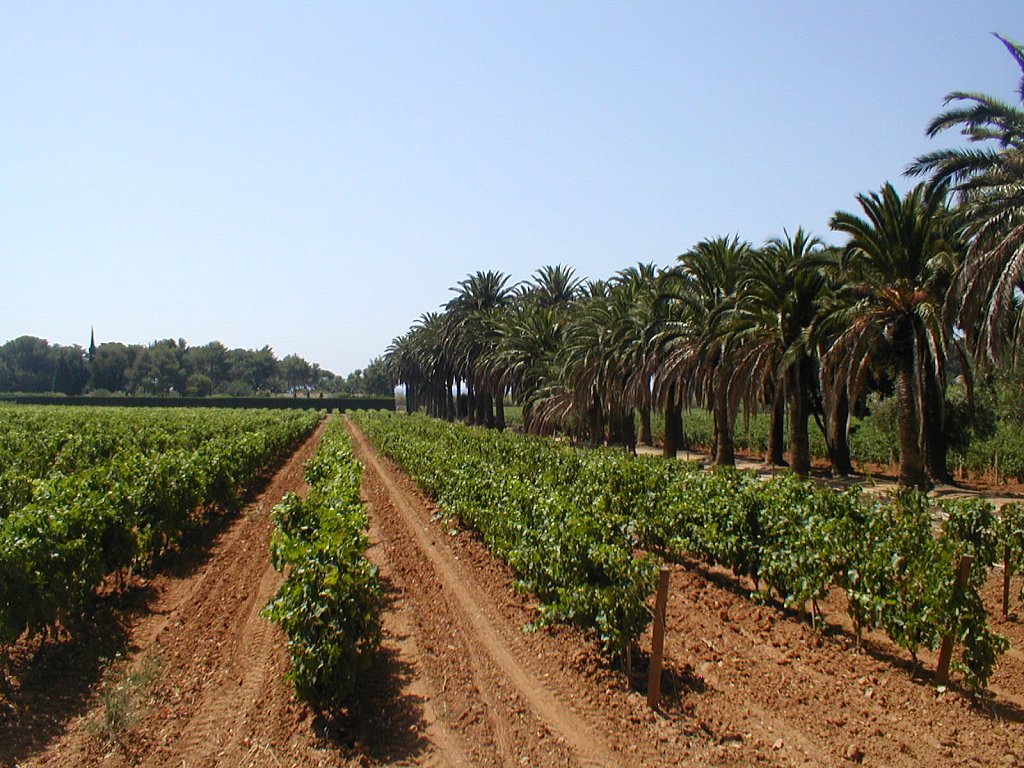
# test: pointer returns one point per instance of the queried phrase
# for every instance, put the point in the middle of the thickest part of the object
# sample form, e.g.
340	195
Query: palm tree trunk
645	437
499	411
776	433
912	472
471	404
839	435
725	449
595	424
461	400
487	417
673	425
799	442
935	442
627	429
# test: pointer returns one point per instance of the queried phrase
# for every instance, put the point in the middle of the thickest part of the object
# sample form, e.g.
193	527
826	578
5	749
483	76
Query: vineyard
91	493
752	497
343	618
572	523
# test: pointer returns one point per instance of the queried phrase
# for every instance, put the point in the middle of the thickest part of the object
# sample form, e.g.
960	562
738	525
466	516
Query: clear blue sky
314	176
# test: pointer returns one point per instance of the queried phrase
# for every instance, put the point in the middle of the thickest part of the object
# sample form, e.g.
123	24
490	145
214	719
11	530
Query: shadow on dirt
678	680
383	722
916	671
53	680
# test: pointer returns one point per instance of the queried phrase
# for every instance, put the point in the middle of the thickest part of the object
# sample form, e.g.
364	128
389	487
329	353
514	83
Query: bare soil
459	680
218	694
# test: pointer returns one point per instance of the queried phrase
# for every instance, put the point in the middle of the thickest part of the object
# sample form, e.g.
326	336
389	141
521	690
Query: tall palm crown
989	180
897	266
779	300
696	298
637	285
778	303
552	286
401	362
897	252
470	315
699	292
522	359
587	359
603	346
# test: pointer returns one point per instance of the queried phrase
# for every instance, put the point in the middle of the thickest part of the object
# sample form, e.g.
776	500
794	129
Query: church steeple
92	342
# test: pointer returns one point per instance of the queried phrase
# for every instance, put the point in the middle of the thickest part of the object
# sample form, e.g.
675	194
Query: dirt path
218	694
517	703
880	483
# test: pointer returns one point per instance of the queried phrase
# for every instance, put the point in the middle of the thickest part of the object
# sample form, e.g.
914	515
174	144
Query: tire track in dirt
399	639
461	712
488	652
220	697
212	733
230	709
214	730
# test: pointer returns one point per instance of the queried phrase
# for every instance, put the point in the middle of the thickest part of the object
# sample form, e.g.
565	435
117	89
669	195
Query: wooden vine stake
1006	580
658	640
946	649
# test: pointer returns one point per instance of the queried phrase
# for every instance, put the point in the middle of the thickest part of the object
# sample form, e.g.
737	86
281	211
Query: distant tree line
169	367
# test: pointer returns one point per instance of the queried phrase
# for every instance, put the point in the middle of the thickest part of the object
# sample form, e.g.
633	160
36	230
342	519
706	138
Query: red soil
459	682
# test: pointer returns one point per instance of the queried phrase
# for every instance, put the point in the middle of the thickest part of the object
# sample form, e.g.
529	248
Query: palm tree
989	182
833	304
636	327
897	265
697	356
522	358
528	333
776	305
668	330
418	360
588	365
469	333
404	367
599	347
552	286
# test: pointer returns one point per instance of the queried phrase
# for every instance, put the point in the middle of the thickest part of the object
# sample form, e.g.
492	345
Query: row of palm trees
928	282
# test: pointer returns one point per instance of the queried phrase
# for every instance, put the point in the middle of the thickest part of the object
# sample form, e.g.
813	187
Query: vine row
329	603
579	526
86	493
